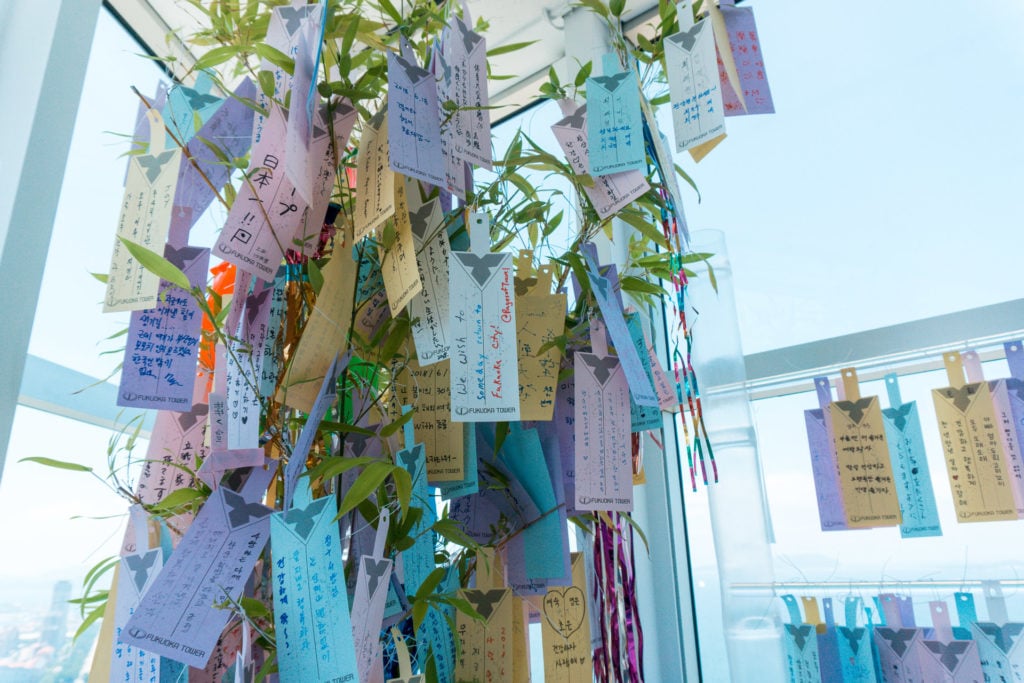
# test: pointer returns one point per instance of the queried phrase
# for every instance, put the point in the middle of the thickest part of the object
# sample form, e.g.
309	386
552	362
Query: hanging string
695	436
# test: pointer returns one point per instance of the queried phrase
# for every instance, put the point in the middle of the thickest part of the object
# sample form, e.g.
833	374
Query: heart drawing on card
565	609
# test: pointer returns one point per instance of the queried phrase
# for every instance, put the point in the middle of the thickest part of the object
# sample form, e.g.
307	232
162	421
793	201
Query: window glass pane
886	186
69	322
57	524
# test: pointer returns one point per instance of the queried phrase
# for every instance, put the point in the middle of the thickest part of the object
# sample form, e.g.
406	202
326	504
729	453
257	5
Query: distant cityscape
38	647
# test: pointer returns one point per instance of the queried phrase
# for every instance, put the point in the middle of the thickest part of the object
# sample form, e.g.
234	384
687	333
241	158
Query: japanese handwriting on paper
375	200
910	465
465	55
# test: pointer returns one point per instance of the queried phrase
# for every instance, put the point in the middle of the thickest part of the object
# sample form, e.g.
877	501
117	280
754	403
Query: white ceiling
161	24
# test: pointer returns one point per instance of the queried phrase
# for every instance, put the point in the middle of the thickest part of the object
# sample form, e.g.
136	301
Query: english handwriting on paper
484	360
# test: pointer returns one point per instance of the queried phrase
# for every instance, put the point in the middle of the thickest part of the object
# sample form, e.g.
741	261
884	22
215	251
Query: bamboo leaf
365	484
217	55
59	464
157	264
275	57
510	47
92	618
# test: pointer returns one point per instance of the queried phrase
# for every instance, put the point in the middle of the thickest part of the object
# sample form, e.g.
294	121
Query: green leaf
157	264
395	425
616	7
403	489
365	484
450	530
430	583
595	6
631	283
316	278
217	55
92	618
510	47
583	74
102	277
59	464
391	11
254	609
175	500
275	57
419	613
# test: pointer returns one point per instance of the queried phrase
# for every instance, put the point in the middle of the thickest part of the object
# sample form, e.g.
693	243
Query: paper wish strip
188	109
603	452
325	334
300	164
418	560
565	628
466	57
801	646
484	362
642	418
615	133
283	30
1002	405
745	46
134	577
414	125
311	613
204	173
698	115
398	263
145	220
862	452
428	388
487	646
368	614
330	137
540	318
159	367
610	192
458	174
375	200
429	309
178	618
824	466
944	659
982	488
606	292
910	465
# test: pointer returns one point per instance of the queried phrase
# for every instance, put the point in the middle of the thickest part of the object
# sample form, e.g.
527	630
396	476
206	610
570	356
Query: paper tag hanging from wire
862	451
975	461
910	465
